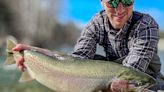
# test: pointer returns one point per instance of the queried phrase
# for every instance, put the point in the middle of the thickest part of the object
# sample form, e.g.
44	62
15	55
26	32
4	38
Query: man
128	37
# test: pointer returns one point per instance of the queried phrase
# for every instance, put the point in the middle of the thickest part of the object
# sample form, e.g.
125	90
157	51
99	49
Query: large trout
63	73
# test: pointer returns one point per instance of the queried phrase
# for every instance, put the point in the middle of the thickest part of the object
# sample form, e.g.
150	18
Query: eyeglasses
114	3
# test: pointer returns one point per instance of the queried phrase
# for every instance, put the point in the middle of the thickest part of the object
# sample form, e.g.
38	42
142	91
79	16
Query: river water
161	54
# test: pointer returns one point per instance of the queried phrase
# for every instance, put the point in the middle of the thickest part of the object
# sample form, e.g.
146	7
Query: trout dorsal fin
25	77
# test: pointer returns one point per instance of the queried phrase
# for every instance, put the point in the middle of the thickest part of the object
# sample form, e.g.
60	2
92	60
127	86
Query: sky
81	11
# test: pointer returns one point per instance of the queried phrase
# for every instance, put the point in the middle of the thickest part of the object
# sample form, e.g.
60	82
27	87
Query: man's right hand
20	60
22	47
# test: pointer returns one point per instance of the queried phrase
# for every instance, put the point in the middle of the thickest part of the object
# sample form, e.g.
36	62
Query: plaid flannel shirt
138	50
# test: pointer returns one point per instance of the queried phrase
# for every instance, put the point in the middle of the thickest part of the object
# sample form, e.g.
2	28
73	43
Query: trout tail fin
10	43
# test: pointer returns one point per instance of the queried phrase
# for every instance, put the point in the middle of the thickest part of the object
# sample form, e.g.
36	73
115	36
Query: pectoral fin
25	77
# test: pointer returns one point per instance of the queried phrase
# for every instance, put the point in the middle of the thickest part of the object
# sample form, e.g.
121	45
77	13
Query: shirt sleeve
86	44
144	45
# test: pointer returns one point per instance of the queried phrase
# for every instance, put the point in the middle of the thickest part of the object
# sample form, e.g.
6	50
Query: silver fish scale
77	75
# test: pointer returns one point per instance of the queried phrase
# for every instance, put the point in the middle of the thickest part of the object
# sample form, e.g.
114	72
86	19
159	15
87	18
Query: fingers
21	68
20	63
20	60
119	86
20	47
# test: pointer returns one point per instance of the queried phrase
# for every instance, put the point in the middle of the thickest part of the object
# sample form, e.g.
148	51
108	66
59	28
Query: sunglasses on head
114	3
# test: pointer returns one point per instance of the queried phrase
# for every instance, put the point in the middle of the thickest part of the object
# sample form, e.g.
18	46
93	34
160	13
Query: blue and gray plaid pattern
137	50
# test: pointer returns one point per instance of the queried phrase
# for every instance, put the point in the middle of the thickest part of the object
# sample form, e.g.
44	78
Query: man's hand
121	86
20	60
22	47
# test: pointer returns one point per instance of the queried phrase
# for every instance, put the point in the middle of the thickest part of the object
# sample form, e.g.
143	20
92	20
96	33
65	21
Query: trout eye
137	84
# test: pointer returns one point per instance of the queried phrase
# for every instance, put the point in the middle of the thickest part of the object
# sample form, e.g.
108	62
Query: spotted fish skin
63	73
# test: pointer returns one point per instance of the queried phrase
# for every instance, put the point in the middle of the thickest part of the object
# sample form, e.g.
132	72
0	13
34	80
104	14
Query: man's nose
120	8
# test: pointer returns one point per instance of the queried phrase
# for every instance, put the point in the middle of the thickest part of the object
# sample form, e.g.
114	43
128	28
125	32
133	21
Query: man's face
117	16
